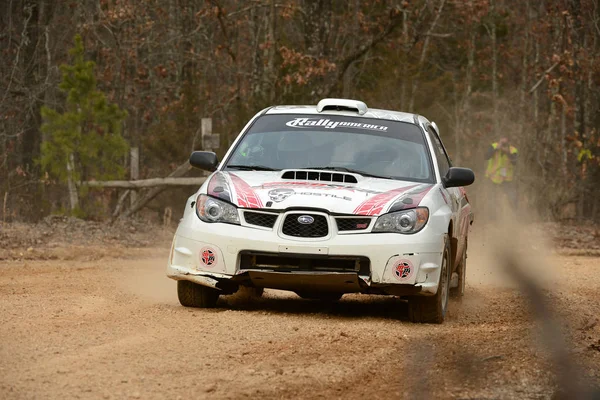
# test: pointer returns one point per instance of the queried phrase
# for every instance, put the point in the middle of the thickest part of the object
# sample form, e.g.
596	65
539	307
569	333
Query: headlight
407	221
209	209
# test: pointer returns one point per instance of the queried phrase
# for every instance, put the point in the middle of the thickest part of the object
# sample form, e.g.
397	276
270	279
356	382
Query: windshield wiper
252	168
353	171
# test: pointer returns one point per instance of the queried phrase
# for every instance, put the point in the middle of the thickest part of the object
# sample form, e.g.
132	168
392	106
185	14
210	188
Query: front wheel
432	309
191	294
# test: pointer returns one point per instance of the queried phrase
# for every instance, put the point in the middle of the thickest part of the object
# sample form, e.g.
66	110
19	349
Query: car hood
267	190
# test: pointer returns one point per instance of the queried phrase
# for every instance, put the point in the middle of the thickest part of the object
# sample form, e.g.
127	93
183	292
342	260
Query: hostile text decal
329	124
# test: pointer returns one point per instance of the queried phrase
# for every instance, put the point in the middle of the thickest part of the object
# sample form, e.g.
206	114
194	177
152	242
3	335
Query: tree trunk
269	76
563	139
4	207
404	64
466	111
257	67
578	44
348	79
31	134
494	69
550	135
536	96
524	73
580	98
73	195
458	128
415	84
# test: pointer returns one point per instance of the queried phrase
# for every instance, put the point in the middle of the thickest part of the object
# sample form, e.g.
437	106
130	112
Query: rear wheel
191	294
323	296
432	309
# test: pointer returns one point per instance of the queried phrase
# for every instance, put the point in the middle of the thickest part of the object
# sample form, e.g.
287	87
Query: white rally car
327	200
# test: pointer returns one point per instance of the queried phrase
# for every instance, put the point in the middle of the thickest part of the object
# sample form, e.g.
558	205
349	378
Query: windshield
371	147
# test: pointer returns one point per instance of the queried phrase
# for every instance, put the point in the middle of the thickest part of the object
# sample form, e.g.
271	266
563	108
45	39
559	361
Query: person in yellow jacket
501	159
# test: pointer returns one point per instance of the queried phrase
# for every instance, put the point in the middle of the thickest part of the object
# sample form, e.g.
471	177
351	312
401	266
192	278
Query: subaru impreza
326	200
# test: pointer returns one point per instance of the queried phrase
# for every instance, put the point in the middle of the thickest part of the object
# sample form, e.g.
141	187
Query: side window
440	153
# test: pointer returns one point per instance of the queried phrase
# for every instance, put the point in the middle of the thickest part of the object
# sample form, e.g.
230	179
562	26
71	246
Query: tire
459	291
432	309
322	296
191	294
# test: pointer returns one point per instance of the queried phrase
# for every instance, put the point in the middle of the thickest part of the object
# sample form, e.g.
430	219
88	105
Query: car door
458	199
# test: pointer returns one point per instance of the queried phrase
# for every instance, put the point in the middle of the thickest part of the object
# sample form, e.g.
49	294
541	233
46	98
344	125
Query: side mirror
458	177
206	160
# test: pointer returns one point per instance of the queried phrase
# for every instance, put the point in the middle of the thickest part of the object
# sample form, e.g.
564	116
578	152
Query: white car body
349	258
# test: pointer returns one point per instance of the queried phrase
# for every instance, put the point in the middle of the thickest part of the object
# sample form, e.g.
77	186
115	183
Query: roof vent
342	105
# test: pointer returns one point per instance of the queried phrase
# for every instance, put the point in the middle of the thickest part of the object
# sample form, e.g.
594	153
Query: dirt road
112	328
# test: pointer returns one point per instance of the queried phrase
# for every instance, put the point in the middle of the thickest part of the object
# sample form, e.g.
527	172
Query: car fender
439	203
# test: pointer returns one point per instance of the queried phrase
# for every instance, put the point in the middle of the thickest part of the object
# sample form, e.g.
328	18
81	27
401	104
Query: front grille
352	224
260	219
318	228
304	262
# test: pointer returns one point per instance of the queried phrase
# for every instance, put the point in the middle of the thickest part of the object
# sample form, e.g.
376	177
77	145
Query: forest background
481	69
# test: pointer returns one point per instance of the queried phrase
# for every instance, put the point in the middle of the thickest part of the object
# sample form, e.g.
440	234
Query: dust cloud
147	280
500	229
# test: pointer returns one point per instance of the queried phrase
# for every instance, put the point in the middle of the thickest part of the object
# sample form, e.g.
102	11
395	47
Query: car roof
347	109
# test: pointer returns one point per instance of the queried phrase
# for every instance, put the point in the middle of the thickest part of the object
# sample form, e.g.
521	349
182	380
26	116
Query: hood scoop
305	175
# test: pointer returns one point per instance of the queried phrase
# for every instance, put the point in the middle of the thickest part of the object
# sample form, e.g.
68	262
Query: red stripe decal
246	196
375	204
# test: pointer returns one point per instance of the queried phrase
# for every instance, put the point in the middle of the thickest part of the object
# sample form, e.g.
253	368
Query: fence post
134	171
210	141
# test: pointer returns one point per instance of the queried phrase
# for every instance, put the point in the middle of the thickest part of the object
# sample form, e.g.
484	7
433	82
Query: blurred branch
243	10
120	204
224	106
345	63
220	16
568	377
538	83
439	35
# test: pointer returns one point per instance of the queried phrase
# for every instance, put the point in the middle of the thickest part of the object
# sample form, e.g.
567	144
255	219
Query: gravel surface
105	323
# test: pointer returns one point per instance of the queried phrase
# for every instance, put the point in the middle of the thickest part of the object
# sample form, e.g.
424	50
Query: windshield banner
329	124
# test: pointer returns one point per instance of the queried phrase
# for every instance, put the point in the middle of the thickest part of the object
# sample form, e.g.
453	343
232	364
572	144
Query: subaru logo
306	219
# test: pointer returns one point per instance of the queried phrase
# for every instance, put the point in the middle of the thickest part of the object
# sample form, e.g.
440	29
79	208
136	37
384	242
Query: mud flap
453	255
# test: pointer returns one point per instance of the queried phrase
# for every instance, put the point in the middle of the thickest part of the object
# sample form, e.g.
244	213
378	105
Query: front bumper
213	255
